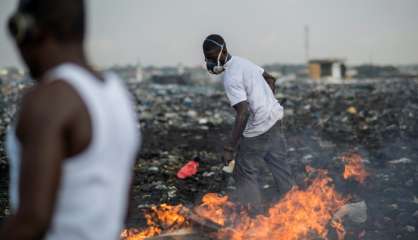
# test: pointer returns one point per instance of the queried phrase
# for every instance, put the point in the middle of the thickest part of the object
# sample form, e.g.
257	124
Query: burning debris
159	218
354	167
301	214
170	221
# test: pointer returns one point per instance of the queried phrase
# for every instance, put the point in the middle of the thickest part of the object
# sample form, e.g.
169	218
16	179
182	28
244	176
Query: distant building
170	75
376	71
171	79
327	69
129	73
139	74
199	75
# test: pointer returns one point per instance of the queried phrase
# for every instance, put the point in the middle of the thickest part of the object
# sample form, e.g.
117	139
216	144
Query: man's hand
228	155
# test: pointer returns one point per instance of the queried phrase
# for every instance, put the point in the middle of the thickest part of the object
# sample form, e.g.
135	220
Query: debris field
324	123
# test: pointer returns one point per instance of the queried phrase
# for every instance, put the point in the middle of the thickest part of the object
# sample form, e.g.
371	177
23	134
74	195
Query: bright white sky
168	32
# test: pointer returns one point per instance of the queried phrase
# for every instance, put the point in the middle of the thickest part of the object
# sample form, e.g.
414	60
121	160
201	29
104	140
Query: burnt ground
377	119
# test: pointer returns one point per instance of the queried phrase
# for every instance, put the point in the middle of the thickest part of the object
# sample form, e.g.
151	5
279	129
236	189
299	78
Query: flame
166	217
169	215
354	167
301	214
339	228
213	208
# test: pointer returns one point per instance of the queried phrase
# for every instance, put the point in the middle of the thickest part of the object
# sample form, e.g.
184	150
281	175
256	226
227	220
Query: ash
376	119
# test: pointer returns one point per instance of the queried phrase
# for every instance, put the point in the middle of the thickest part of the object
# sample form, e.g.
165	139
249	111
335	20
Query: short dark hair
209	45
65	19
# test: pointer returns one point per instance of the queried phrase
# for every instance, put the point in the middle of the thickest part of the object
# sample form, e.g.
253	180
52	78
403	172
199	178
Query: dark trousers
269	147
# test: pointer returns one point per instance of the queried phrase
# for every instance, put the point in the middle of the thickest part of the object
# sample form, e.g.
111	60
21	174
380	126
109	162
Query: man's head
216	53
41	26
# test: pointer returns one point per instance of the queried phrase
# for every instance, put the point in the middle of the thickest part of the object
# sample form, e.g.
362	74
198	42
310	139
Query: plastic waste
189	169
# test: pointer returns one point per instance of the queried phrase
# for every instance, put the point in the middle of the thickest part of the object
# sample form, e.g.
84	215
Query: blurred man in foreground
75	140
257	135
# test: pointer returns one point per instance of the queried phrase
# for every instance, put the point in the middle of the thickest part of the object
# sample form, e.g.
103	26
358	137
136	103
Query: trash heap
367	112
375	119
10	92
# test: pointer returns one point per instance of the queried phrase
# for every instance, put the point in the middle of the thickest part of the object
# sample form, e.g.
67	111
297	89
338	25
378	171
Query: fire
213	207
301	214
166	217
354	167
170	215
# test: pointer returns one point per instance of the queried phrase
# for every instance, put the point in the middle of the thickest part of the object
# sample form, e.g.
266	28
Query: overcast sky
168	32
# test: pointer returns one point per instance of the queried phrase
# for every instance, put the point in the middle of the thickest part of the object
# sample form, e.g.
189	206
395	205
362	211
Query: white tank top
92	199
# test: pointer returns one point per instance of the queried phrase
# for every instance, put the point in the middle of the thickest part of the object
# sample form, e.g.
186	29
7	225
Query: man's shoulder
234	68
244	64
238	61
243	60
52	102
48	94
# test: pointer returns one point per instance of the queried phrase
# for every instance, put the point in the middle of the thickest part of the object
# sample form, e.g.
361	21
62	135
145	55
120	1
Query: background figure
257	134
74	143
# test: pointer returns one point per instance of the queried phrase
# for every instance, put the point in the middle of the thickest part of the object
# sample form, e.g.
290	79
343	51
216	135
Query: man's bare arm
241	118
40	131
271	81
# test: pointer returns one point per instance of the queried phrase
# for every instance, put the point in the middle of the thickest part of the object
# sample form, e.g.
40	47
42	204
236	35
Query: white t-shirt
244	81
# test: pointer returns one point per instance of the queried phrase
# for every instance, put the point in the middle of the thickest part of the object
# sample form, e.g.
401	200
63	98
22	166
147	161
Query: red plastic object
188	170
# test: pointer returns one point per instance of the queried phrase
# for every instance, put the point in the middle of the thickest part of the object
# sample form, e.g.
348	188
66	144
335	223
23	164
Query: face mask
212	66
